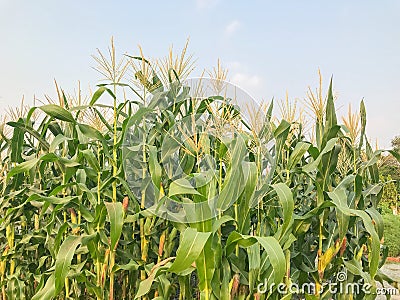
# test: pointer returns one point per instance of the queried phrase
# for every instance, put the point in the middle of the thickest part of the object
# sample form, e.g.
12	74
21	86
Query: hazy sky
270	47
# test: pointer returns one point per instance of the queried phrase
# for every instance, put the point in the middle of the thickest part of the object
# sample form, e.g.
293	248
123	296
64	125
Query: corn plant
93	207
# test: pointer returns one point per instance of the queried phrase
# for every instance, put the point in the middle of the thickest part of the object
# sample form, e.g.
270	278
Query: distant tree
390	176
396	144
389	164
390	196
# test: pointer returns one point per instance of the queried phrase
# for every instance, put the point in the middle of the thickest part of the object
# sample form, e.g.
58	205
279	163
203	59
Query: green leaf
91	132
286	199
253	254
330	116
52	199
205	265
91	159
314	164
281	134
189	249
270	245
31	131
97	94
275	255
17	142
298	152
23	167
246	202
57	141
145	285
339	198
58	112
63	260
47	292
377	220
363	115
59	236
116	216
181	186
154	166
218	223
234	182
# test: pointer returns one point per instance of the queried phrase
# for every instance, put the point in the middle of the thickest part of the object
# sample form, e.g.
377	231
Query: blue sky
270	47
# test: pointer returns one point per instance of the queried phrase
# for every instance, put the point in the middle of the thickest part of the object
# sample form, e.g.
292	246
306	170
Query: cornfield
118	201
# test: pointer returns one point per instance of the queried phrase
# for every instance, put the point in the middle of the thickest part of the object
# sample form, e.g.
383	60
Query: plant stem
143	240
66	288
115	169
112	263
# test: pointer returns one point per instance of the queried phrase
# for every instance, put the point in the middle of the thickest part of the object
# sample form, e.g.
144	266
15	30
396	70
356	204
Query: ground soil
392	269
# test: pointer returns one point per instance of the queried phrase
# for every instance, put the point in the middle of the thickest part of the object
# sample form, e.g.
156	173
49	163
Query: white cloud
246	81
240	75
232	27
204	4
234	65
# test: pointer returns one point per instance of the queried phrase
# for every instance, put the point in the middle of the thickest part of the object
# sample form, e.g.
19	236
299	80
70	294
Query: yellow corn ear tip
327	258
337	244
36	222
107	253
8	230
162	193
125	203
329	254
2	267
73	215
360	253
161	245
318	287
6	248
235	285
343	246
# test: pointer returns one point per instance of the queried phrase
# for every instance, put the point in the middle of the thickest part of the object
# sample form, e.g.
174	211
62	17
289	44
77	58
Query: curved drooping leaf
145	285
247	201
189	249
298	152
339	198
286	199
48	291
116	216
182	186
314	164
63	260
58	112
270	245
97	94
23	167
57	141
